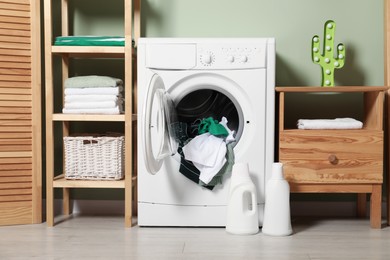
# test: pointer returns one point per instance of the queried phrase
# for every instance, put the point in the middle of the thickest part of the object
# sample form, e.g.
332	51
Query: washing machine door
159	119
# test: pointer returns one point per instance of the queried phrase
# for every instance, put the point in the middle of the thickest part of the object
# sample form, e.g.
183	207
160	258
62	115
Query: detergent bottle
242	212
277	220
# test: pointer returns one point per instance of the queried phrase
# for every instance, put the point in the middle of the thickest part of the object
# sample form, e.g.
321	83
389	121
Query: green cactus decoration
327	60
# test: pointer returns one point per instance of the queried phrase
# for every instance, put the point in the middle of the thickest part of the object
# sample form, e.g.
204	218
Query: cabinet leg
135	199
388	198
361	205
66	201
376	206
388	204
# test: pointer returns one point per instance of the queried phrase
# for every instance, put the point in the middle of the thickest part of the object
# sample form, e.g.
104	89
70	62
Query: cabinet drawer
332	156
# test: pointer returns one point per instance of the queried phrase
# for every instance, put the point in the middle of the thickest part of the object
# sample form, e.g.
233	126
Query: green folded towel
90	41
92	82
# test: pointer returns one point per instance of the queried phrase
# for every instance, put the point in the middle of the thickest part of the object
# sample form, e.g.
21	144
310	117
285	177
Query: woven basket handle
90	142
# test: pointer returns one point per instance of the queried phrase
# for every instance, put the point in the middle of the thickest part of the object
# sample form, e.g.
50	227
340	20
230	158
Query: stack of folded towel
93	95
337	123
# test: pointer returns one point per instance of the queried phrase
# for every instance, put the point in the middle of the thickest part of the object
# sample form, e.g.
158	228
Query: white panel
232	56
185	216
171	56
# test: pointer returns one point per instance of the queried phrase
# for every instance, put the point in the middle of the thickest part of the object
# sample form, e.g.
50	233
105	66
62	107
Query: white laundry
99	104
207	153
208	173
94	91
230	138
105	111
204	149
92	98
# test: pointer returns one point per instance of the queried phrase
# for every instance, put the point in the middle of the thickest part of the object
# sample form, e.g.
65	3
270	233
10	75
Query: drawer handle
333	159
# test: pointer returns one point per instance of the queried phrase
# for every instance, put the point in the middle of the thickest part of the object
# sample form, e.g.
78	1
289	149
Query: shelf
332	89
61	182
84	117
373	97
90	51
70	117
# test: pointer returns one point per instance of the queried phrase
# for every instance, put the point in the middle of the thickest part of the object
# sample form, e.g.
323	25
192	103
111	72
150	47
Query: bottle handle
251	207
253	203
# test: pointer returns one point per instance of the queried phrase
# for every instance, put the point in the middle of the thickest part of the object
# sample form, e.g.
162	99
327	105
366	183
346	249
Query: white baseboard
298	208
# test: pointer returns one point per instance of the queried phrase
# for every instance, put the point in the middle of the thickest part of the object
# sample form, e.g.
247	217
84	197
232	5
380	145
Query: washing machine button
244	58
230	58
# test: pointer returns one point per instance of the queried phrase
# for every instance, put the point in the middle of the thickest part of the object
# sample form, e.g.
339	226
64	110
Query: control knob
207	58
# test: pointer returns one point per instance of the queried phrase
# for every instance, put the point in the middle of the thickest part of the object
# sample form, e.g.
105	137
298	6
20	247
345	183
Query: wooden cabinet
54	178
20	113
340	161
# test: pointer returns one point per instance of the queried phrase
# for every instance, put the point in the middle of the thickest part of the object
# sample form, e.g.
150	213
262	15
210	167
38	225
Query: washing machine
182	81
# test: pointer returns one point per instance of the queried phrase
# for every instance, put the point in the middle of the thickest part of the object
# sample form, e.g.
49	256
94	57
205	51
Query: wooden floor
100	237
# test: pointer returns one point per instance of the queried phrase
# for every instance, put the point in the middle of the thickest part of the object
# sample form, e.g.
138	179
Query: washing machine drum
205	103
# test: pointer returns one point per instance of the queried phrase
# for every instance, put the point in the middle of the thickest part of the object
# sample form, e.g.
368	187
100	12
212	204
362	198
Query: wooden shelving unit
337	161
56	179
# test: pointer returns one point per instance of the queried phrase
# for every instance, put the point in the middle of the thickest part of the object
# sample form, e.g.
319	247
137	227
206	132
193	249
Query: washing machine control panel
234	56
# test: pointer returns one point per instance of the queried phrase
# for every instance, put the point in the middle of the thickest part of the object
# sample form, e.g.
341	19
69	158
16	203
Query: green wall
292	22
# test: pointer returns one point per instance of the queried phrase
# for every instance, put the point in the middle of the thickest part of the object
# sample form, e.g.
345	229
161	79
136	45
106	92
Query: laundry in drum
213	127
208	156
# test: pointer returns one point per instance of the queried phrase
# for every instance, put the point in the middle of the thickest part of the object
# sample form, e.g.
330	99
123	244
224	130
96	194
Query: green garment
90	41
213	127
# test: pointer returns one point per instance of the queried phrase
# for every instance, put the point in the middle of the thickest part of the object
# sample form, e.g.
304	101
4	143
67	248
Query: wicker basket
94	158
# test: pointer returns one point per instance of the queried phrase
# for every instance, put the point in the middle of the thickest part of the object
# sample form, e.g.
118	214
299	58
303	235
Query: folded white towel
82	105
92	81
94	91
92	98
338	123
99	111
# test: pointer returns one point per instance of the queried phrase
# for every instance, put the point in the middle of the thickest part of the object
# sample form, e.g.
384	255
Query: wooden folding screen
20	113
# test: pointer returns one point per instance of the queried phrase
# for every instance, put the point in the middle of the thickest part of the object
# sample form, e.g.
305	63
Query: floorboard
104	237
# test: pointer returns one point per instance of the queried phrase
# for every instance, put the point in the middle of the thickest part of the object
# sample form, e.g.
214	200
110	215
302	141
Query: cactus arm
340	55
315	47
